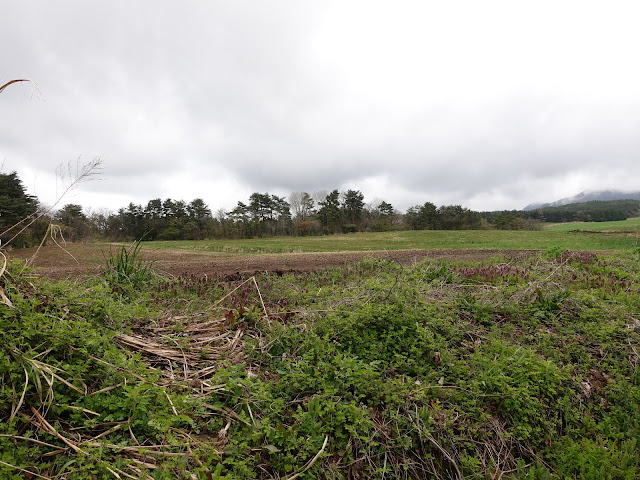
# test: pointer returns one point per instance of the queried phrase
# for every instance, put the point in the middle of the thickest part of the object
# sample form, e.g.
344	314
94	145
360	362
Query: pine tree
15	204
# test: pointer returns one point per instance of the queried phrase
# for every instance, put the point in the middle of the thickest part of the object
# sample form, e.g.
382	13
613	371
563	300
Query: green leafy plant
126	267
526	368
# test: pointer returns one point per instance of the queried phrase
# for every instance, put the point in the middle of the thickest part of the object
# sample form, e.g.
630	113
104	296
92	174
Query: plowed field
81	260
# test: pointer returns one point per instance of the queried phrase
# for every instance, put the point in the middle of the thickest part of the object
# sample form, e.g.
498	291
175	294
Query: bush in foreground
515	368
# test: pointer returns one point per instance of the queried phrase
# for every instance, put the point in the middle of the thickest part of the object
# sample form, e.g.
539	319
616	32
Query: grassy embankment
555	237
522	368
631	225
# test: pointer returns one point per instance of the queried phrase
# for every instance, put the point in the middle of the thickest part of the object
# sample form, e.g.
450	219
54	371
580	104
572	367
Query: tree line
593	211
264	214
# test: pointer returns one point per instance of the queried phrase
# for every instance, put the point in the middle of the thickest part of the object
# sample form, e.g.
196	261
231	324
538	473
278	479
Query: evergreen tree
352	206
329	212
15	206
75	221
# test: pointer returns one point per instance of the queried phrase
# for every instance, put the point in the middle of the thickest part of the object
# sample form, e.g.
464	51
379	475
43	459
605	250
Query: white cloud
490	105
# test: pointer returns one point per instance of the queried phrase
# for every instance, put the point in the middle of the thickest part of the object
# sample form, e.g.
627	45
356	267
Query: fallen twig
311	462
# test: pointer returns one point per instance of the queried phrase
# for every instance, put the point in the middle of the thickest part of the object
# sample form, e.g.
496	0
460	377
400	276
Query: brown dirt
80	260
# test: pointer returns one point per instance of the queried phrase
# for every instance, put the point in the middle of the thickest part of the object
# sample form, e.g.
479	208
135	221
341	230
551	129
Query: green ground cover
425	239
523	367
629	225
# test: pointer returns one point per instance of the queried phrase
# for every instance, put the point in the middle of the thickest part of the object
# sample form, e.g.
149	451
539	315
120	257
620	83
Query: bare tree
302	205
319	196
295	200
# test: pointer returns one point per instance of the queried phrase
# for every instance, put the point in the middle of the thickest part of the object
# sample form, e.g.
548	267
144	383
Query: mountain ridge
587	196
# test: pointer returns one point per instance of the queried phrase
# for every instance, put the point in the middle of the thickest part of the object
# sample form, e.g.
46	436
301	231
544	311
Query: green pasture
425	239
629	225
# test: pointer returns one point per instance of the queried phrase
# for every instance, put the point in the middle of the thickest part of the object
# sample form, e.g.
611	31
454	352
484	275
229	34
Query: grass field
429	240
629	225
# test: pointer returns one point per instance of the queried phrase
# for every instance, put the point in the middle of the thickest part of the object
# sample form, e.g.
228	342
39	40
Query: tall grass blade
126	266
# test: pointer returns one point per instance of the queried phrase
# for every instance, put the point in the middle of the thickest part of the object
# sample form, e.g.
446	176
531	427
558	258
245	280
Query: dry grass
11	82
187	349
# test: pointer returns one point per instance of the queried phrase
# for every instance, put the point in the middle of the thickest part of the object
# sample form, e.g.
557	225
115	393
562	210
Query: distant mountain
602	195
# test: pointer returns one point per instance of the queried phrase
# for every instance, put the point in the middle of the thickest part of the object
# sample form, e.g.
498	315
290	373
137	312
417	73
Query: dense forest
594	211
263	214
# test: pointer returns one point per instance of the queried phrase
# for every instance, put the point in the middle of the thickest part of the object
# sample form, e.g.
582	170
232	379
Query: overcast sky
488	104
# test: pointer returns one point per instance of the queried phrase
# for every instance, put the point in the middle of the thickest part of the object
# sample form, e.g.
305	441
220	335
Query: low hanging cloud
491	106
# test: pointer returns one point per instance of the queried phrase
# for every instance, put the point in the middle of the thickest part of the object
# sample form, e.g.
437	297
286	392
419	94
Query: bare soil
81	260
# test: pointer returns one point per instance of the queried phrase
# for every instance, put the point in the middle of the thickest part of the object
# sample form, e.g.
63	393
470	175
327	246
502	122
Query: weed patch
522	368
126	268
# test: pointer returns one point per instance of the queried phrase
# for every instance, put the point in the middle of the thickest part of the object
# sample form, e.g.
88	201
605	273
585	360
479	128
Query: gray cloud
410	102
